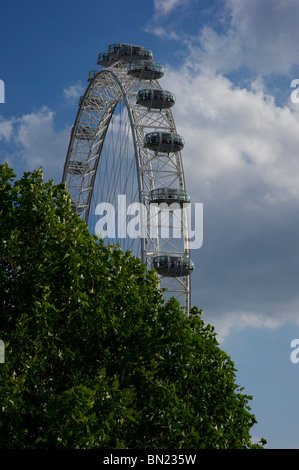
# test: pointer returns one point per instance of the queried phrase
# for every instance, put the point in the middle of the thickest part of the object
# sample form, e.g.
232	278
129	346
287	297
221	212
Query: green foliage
94	357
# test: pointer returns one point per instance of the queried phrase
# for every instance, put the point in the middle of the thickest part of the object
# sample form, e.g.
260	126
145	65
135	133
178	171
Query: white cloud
73	92
238	321
215	52
164	7
238	137
269	31
161	32
260	36
6	129
253	35
35	142
241	160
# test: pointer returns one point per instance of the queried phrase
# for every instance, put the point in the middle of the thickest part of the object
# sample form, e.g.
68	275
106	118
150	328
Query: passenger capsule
105	60
77	167
127	52
92	74
169	195
84	132
164	142
145	69
173	265
156	99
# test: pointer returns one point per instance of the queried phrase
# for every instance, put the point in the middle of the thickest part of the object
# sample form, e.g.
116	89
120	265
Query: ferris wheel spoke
124	157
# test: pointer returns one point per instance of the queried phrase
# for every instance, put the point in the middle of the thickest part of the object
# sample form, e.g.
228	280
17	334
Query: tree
94	357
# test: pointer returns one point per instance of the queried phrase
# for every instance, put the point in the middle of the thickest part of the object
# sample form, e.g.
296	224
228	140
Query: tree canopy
94	357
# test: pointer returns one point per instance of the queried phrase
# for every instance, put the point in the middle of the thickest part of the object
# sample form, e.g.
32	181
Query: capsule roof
123	52
128	52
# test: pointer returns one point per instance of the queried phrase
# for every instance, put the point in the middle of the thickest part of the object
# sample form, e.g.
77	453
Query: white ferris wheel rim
108	89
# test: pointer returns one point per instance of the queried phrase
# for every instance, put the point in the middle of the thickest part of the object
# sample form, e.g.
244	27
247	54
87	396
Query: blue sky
230	64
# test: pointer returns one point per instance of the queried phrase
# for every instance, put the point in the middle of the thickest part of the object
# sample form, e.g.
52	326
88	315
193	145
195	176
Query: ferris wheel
124	169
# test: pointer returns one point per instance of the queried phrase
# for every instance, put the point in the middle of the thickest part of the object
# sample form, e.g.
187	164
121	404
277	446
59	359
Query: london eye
124	169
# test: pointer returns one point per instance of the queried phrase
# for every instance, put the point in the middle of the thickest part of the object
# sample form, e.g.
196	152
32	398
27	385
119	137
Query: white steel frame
106	89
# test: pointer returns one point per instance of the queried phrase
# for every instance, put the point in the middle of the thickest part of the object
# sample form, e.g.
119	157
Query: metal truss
166	230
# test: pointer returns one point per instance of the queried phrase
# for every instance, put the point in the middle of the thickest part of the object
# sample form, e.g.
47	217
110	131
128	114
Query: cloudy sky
230	64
